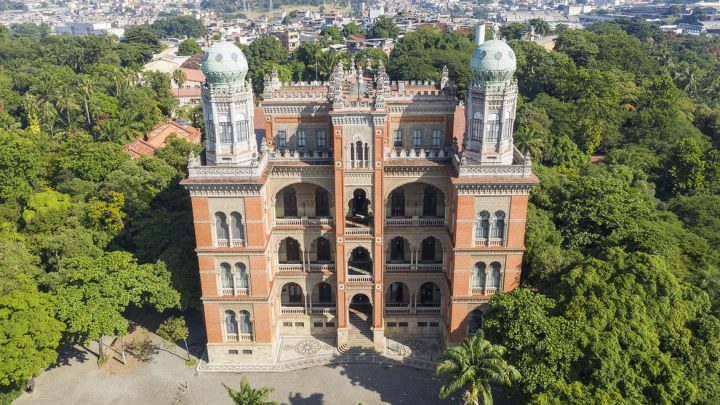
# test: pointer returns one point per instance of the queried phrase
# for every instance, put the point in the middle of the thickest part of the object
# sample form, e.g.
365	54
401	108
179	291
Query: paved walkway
162	378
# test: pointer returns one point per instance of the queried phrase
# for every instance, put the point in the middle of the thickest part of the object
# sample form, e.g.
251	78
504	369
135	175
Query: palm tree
65	103
475	364
86	84
541	26
326	62
248	395
528	140
178	77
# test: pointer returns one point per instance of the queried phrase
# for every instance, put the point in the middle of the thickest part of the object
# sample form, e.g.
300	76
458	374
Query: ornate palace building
366	212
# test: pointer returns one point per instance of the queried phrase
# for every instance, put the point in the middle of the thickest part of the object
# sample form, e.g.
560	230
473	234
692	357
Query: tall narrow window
225	129
289	202
301	141
221	226
479	275
358	150
322	202
241	275
226	277
499	228
237	226
323	250
324	293
417	138
241	126
245	323
436	138
477	127
493	128
397	138
397	250
293	250
231	326
396	293
494	276
397	203
281	139
483	226
430	202
321	138
427	253
476	321
210	131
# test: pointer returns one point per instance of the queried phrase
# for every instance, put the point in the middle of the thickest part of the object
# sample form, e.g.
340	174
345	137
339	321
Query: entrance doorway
360	319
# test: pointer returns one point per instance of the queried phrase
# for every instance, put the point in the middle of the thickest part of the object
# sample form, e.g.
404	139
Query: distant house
155	139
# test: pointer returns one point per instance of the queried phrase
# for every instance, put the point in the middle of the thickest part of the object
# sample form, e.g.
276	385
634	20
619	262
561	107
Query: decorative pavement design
299	352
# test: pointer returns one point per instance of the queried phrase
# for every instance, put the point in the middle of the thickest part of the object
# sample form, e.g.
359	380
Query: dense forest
85	232
621	292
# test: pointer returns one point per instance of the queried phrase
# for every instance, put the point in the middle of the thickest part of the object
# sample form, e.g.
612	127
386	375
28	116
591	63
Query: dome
224	63
493	61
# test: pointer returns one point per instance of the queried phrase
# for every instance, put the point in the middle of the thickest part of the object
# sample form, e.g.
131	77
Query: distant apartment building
84	29
289	39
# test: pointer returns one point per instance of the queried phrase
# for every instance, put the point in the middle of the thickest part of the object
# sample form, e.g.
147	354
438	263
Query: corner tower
491	99
227	100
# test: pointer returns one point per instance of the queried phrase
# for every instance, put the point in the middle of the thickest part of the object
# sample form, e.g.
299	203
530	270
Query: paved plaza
163	378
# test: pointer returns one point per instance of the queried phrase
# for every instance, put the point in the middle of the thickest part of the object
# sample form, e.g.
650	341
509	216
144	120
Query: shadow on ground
313	399
68	354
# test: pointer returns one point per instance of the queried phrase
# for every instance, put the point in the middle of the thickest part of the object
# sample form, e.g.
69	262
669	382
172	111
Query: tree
178	26
475	364
384	28
540	26
247	395
687	167
141	35
333	34
514	30
93	293
350	29
174	329
179	77
189	47
21	163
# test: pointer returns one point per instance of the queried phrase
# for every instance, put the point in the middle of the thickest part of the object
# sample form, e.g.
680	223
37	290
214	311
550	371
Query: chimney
480	34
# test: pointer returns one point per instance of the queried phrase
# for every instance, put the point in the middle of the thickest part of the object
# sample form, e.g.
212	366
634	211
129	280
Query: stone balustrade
414	221
303	221
301	154
418	153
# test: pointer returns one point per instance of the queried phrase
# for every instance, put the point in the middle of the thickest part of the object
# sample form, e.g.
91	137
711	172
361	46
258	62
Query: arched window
289	202
292	250
231	326
291	293
236	226
477	126
245	323
324	293
494	279
397	202
221	226
427	251
479	275
360	203
322	202
430	200
397	249
358	150
430	294
499	228
367	152
226	276
241	126
241	275
323	250
483	226
476	321
396	293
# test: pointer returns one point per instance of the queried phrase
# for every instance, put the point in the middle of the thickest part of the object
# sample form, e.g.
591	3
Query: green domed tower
490	102
228	106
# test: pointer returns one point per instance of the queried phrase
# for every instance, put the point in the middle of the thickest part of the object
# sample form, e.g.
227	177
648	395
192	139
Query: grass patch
191	362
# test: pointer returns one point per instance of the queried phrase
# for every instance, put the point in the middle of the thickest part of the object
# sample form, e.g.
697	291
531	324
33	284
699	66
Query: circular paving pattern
307	347
417	346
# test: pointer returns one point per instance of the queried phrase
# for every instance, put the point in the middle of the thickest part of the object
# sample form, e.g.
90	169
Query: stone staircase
360	335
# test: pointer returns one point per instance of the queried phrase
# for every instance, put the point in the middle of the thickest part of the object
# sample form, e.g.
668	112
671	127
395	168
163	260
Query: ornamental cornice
411	108
493	188
244	299
358	179
223	189
282	171
352	120
304	109
432	170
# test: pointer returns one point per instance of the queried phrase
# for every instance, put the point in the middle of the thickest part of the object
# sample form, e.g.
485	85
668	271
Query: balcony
323	310
419	154
489	242
235	291
317	267
427	310
303	221
242	337
292	310
301	155
360	278
484	291
291	267
224	243
358	231
398	309
414	221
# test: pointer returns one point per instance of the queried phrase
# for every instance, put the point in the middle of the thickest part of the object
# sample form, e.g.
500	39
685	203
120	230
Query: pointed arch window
221	226
479	275
242	275
245	323
483	226
231	325
227	280
238	233
499	225
241	127
494	276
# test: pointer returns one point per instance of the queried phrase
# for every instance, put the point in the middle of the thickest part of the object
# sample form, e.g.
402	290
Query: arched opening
499	225
398	296
360	263
221	226
478	282
493	280
431	251
322	202
241	273
359	151
360	319
359	206
292	295
227	281
289	251
231	326
245	323
289	202
475	321
236	227
325	293
399	250
323	250
415	200
483	225
429	295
